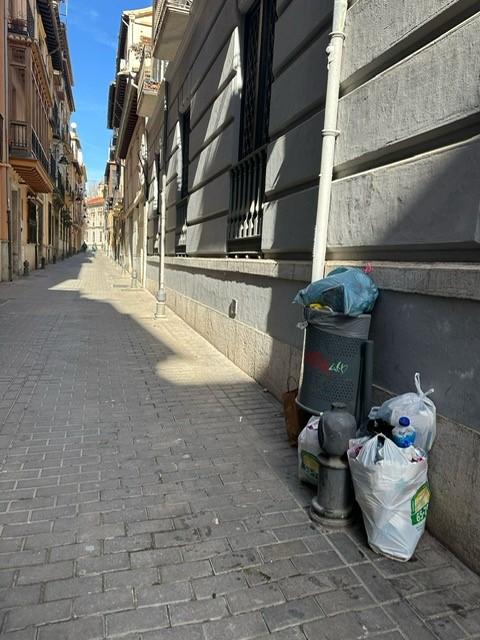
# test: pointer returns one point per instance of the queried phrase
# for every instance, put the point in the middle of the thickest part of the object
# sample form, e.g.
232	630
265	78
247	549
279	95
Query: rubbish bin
337	363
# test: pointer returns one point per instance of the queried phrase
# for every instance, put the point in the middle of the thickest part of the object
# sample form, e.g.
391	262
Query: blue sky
93	30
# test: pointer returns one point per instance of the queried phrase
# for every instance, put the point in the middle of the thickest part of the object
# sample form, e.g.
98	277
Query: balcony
150	84
116	203
21	21
169	22
56	128
28	157
128	121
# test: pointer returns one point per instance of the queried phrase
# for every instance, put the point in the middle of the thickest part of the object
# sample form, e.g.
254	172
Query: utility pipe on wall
329	133
6	124
146	206
161	294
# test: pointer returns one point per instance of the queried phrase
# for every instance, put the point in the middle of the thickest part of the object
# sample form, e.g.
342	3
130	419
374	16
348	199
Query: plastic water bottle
404	434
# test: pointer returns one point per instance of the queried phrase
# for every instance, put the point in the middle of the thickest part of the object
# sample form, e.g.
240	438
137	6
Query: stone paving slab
147	491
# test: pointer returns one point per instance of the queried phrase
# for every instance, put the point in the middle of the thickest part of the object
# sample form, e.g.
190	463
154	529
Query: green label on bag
419	504
310	465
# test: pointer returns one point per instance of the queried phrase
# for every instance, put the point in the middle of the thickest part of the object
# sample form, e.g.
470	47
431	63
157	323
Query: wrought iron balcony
247	189
170	18
28	156
18	137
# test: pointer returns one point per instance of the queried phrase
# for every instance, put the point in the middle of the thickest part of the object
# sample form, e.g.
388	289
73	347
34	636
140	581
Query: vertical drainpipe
6	148
146	192
161	294
329	133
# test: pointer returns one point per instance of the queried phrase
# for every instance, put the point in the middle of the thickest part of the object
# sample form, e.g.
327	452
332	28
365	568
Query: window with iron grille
182	204
247	178
32	223
185	139
155	210
50	224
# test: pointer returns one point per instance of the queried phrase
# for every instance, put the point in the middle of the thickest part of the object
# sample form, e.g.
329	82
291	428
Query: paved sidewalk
148	492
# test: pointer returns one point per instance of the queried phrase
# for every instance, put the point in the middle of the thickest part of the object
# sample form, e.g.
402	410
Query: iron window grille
185	141
155	211
182	204
247	177
50	224
32	223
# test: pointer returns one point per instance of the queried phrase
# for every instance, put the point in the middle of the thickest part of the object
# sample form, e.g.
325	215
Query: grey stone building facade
244	93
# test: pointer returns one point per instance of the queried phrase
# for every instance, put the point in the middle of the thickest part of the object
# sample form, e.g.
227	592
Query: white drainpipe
160	311
329	133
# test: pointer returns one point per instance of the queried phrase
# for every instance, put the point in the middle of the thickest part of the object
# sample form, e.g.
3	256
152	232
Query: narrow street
148	490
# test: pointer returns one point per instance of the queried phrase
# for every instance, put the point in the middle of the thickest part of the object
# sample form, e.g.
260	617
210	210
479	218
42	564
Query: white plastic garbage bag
308	450
393	493
418	408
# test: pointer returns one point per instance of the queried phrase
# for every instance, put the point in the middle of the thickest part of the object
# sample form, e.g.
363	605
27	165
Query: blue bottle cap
404	422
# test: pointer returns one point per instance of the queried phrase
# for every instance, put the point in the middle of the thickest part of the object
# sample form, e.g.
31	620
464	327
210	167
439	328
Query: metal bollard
334	503
26	268
160	306
134	282
42	263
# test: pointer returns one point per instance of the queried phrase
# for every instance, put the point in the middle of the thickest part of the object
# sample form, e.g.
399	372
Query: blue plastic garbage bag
345	290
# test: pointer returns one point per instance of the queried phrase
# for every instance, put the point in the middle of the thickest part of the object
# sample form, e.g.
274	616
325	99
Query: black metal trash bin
337	363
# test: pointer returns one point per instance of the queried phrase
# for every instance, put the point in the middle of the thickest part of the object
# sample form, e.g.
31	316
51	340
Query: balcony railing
181	228
161	9
150	78
18	137
247	189
20	145
39	152
21	23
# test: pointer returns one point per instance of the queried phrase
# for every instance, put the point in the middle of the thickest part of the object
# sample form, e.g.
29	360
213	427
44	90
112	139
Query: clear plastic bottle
404	434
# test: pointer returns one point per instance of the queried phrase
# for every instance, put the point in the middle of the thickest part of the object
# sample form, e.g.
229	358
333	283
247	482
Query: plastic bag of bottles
391	488
417	407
